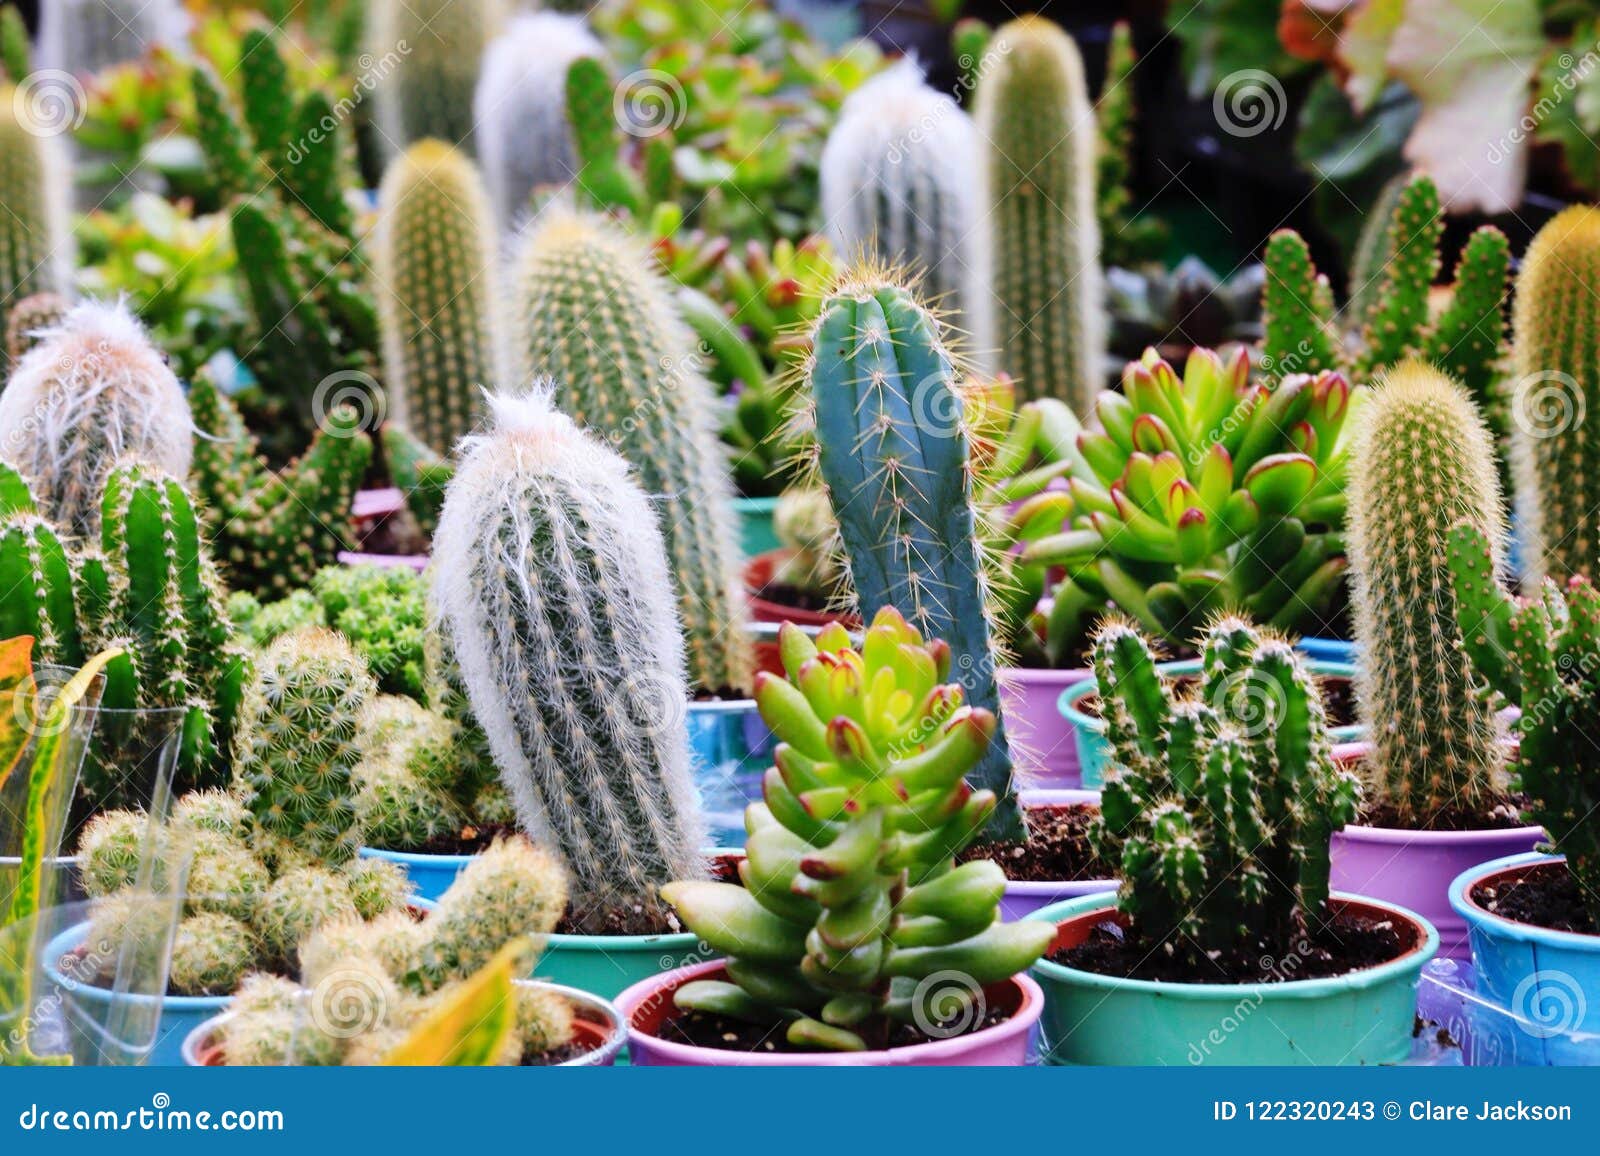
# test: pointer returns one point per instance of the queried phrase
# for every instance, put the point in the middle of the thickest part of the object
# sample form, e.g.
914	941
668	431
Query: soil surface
639	918
1057	849
1501	815
1545	895
1352	943
470	840
702	1030
394	534
557	1056
782	594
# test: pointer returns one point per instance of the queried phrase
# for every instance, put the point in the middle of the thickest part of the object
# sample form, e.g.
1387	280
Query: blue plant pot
1547	982
1089	730
756	535
88	1010
430	875
1327	649
731	750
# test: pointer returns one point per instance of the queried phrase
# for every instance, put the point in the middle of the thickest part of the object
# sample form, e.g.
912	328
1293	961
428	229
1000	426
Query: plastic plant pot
756	535
758	573
430	875
648	1004
1043	750
1363	1017
1327	649
1024	897
732	749
417	562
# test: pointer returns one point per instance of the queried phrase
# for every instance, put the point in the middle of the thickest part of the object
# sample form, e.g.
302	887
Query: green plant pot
756	535
606	965
1364	1017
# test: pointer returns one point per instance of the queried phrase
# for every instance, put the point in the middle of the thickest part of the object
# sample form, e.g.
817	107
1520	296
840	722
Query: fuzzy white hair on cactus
93	392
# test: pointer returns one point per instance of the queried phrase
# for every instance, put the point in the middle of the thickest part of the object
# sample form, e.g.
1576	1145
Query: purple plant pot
1043	749
647	1004
375	504
418	562
1023	898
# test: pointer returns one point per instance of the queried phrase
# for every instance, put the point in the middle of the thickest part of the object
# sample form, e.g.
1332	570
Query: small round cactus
224	877
396	940
111	849
544	1021
210	810
298	903
211	952
513	889
376	886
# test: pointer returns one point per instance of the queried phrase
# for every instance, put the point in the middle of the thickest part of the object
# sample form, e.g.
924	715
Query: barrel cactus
429	93
1049	311
574	668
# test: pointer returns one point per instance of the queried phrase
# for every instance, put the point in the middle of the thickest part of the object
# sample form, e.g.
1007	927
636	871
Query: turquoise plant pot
731	750
1089	730
1547	981
430	875
606	965
1364	1017
756	535
1327	649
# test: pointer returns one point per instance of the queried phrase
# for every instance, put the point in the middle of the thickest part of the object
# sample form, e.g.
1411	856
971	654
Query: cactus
299	901
899	179
210	954
296	748
377	887
16	51
520	109
40	576
1422	461
273	529
37	253
1221	804
1556	379
437	295
429	93
404	799
94	392
224	877
1543	655
111	849
591	313
88	36
1033	110
605	179
1129	238
1296	311
575	670
28	322
850	895
893	453
512	891
420	474
802	520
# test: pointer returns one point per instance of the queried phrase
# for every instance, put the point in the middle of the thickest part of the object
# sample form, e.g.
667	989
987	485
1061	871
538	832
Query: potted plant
1219	813
1438	800
1534	920
855	938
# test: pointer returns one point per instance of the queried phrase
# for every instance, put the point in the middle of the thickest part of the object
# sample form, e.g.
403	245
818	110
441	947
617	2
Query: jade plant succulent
850	894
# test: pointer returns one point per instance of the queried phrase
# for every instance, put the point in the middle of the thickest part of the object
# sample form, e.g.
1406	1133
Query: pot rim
72	937
1468	908
1360	833
634	997
1295	989
755	505
722	706
420	858
1043	676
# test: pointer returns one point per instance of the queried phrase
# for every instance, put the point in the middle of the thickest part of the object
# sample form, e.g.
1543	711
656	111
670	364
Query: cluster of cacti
436	279
900	180
1543	655
850	893
520	110
1423	460
1555	384
36	248
1203	493
592	314
1034	113
1222	801
574	667
893	453
86	36
440	44
273	529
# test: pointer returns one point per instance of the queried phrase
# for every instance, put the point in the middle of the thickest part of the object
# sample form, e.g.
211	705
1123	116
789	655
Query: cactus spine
87	36
36	247
1423	461
551	581
429	94
520	109
1556	385
591	313
893	452
899	179
1049	312
437	301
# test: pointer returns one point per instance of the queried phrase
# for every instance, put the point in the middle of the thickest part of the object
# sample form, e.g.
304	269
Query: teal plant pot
731	749
1089	730
607	965
430	875
1364	1017
756	535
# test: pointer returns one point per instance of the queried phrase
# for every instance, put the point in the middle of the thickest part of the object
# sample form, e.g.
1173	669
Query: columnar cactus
1543	655
1049	311
511	891
893	452
442	42
591	313
574	667
29	320
86	36
520	109
437	296
850	896
1222	802
1423	460
296	749
900	179
1556	394
41	577
36	248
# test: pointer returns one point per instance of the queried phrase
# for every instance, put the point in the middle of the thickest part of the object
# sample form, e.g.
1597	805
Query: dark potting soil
1352	943
555	1056
1545	895
396	534
1338	699
701	1030
781	594
1499	815
639	918
1057	848
469	840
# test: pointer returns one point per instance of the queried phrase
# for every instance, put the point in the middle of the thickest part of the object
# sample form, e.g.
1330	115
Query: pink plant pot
371	505
648	1004
1023	897
418	562
1044	751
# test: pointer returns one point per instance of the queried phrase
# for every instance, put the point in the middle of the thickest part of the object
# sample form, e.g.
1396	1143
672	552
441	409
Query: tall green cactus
591	313
1049	311
900	180
437	293
41	577
892	451
93	394
1556	397
552	584
1543	655
1423	461
1222	802
441	43
36	247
